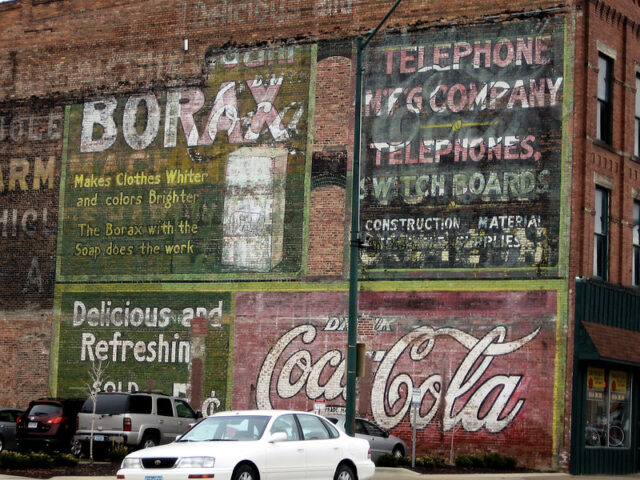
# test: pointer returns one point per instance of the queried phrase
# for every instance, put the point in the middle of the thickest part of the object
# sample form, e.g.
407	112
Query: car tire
398	451
148	441
344	472
245	472
76	449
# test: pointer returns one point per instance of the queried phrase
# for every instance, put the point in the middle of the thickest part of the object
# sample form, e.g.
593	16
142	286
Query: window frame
636	136
164	407
607	398
294	425
635	266
183	409
604	120
601	234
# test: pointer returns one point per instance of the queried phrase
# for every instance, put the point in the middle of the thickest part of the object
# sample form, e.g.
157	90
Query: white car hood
189	449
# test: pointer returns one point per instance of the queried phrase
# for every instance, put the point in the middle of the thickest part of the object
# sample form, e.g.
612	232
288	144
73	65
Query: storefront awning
614	343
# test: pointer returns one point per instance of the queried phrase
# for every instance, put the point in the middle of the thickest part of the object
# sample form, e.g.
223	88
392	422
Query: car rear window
109	404
118	403
41	409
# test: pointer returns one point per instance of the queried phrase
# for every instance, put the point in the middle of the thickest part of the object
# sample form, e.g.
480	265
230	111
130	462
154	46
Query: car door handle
301	450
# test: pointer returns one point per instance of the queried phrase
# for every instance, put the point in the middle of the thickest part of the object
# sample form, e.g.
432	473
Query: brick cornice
609	13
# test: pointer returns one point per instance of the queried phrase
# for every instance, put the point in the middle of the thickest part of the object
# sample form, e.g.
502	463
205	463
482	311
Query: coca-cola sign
301	374
477	360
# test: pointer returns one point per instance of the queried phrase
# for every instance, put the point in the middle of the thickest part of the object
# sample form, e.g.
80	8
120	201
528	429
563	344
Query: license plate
98	438
153	477
32	425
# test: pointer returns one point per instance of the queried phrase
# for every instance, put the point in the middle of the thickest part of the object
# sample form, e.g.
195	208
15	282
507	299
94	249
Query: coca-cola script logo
469	398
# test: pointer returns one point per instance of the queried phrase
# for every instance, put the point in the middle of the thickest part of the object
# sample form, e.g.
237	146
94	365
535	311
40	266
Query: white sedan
252	445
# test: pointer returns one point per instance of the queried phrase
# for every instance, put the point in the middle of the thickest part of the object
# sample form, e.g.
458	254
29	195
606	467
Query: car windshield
230	428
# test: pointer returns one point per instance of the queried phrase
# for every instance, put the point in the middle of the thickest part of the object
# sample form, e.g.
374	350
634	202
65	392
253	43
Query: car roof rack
138	392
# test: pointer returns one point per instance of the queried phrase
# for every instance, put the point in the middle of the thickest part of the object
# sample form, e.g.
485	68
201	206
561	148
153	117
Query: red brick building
175	200
604	238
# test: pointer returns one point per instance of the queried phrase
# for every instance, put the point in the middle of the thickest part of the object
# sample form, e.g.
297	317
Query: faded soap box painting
253	225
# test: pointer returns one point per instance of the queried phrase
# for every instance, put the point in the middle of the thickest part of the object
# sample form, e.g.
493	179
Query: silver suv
136	420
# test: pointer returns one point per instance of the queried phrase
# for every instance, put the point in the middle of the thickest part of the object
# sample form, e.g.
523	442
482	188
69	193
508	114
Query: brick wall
24	356
46	43
59	54
612	31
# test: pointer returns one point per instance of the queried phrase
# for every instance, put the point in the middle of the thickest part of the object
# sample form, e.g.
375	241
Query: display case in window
608	408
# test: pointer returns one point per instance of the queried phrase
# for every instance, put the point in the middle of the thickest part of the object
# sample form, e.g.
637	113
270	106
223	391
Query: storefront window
608	408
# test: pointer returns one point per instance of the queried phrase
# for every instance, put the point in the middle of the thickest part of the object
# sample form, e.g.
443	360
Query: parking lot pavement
404	474
16	477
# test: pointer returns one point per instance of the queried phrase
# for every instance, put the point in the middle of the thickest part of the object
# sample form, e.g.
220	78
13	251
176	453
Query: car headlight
196	462
131	462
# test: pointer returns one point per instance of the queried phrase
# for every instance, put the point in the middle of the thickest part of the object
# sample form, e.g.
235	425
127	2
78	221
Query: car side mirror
385	434
278	437
198	414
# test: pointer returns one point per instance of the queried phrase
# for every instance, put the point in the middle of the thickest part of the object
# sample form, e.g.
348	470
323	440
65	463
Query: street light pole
352	327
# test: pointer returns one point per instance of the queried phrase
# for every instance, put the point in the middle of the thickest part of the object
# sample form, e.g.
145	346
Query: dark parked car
379	439
8	417
48	424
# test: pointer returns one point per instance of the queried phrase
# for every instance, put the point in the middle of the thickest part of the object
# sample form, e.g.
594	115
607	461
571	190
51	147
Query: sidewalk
16	477
383	473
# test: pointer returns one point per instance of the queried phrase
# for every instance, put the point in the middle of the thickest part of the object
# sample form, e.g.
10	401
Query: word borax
181	106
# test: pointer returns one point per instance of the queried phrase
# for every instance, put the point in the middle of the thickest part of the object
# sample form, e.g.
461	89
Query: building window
636	243
608	408
605	83
601	234
636	146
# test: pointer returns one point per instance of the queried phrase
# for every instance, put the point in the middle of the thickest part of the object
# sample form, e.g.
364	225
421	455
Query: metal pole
413	434
352	327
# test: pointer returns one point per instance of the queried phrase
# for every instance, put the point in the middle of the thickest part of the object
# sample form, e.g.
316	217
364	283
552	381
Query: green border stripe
313	73
389	286
63	183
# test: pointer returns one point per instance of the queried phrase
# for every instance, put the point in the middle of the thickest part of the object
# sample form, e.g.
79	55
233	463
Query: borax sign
190	181
462	134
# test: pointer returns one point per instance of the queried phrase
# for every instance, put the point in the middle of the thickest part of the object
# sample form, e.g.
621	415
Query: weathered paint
30	143
147	339
462	138
147	178
484	364
254	204
234	12
210	184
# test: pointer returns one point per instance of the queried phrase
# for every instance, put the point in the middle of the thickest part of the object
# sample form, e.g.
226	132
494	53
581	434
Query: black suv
48	424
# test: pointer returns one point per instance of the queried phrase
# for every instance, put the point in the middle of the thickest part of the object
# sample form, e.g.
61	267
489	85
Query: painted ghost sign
30	145
147	339
154	184
469	353
462	137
